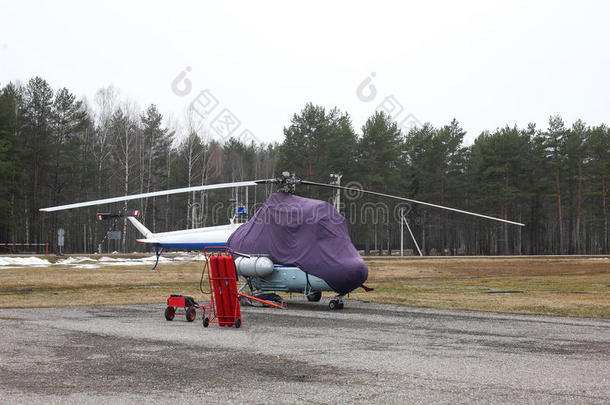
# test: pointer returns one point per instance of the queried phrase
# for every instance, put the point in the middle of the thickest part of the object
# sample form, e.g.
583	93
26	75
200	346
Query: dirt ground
366	353
566	286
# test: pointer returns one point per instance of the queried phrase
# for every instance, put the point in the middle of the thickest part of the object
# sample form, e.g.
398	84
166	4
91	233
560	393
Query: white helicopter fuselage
189	239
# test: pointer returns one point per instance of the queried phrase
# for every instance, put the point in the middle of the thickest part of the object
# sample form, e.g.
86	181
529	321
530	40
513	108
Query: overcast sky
485	63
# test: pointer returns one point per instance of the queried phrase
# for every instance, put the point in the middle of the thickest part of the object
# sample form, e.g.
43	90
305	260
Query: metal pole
413	237
402	253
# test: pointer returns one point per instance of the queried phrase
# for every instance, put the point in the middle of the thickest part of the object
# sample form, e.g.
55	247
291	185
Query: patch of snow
24	261
121	261
189	257
92	263
87	266
199	257
74	260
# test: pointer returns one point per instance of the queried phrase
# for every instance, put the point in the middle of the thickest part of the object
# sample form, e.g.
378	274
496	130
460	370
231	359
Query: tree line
57	149
552	180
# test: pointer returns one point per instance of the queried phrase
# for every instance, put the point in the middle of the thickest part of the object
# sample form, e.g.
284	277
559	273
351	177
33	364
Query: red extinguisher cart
224	306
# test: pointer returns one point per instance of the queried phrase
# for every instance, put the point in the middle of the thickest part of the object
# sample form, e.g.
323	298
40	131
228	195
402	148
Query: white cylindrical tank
253	266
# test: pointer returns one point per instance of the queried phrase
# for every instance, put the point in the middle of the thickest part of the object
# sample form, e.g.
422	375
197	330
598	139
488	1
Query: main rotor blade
154	194
313	183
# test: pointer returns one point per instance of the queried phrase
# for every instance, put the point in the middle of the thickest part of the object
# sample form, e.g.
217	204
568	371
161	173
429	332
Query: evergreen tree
555	139
156	143
575	154
436	160
598	169
11	173
37	105
317	143
379	165
499	173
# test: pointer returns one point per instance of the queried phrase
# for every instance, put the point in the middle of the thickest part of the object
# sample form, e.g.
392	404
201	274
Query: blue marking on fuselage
192	246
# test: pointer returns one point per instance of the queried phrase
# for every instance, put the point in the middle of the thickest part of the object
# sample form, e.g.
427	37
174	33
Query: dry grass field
566	286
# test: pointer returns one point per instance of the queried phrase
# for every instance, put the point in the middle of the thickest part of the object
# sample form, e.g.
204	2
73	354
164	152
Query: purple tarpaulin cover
310	234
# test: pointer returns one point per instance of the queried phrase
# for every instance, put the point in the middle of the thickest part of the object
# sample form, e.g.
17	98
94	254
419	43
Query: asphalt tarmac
366	353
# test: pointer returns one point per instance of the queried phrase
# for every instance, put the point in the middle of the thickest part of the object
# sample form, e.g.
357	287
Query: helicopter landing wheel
315	296
237	323
333	304
340	305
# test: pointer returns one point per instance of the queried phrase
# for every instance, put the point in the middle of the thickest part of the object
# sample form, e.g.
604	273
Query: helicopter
291	244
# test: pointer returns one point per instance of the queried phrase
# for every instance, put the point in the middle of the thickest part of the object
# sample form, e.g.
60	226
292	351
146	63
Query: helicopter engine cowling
260	266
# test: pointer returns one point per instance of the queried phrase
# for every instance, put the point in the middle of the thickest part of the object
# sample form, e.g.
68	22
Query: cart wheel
169	313
206	322
333	304
237	323
190	314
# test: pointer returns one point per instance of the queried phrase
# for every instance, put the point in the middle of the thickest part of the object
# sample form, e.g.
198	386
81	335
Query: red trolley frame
224	306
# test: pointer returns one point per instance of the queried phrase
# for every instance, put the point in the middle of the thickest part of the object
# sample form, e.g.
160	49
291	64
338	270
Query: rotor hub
287	182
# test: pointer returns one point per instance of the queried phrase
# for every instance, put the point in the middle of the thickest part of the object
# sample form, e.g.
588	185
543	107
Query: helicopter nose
349	275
